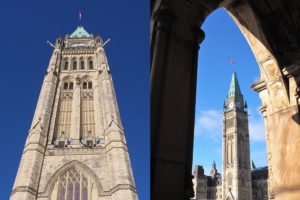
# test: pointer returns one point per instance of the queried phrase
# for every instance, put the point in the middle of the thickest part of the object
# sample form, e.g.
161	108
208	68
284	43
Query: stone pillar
27	179
280	108
174	52
51	133
75	118
120	173
97	97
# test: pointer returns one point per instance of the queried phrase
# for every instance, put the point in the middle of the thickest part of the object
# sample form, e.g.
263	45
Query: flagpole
80	16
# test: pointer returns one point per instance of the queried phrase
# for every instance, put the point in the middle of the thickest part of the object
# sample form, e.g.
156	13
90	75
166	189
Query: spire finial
234	90
80	16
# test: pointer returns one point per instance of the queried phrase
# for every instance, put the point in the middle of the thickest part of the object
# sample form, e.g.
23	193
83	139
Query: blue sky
223	42
24	53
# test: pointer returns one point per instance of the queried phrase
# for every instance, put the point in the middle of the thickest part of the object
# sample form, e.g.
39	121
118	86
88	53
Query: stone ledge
24	189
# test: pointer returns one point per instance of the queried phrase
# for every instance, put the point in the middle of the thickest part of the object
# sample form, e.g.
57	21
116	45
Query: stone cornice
78	51
74	151
259	86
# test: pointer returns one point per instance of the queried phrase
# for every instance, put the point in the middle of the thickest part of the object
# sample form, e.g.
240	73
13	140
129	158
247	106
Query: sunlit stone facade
76	147
238	180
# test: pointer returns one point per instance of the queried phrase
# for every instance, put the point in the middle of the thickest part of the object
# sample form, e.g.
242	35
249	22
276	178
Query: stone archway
175	39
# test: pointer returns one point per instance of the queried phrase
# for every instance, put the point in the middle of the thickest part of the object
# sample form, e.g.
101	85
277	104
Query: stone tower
76	149
236	178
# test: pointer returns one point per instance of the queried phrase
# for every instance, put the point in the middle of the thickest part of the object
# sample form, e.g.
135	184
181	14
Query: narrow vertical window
82	64
65	86
90	85
71	86
66	65
91	64
75	65
84	85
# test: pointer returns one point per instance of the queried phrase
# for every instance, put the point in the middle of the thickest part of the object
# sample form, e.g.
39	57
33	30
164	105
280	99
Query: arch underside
271	29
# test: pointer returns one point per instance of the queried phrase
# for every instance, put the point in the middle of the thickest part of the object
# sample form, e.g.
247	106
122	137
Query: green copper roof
80	32
234	90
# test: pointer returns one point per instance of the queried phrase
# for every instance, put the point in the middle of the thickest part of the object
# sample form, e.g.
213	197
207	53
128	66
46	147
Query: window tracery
87	110
63	121
74	185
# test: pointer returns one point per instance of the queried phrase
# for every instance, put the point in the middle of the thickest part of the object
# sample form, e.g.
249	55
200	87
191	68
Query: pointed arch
64	169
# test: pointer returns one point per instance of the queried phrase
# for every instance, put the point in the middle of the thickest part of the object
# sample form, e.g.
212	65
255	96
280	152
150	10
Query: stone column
175	44
120	173
75	118
54	116
27	179
280	109
97	96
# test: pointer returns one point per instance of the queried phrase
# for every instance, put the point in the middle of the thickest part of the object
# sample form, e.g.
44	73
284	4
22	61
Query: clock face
238	105
230	106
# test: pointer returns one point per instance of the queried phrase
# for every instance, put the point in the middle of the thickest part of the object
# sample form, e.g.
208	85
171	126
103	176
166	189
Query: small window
71	86
82	65
84	85
66	86
90	85
66	65
75	65
91	64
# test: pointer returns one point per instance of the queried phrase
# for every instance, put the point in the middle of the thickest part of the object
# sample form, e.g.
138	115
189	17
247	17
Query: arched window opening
64	112
71	86
87	111
90	84
91	66
82	64
74	65
66	85
84	85
74	185
66	65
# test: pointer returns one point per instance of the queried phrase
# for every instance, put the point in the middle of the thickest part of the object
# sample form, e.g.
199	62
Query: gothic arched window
71	85
74	65
74	185
90	85
66	85
64	110
84	85
87	110
66	65
91	66
82	64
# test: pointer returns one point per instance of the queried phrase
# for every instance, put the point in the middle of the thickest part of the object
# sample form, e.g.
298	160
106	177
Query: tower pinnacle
234	90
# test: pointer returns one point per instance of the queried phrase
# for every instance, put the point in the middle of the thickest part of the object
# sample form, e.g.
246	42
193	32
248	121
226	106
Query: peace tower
76	148
236	170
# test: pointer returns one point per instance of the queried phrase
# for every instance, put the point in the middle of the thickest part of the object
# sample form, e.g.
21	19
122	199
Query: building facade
238	180
76	148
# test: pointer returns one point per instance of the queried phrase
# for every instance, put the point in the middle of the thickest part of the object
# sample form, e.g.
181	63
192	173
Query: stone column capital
163	17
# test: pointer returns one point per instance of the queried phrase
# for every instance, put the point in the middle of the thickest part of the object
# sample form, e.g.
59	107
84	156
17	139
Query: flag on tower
232	61
80	15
